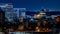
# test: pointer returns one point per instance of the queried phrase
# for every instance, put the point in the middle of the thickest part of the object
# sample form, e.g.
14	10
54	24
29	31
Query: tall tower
9	11
22	12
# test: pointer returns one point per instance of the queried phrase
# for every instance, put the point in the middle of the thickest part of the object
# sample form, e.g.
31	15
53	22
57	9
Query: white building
9	11
20	12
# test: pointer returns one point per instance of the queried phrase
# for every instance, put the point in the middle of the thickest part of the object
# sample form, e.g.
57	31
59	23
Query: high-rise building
10	13
21	12
17	11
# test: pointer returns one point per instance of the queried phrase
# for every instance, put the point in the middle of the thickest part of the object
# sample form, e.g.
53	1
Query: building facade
21	12
10	13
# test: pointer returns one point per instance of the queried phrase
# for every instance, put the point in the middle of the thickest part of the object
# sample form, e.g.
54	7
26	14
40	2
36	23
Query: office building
10	13
21	12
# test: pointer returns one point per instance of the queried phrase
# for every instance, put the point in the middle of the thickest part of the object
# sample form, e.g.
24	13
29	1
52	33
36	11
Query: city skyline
34	4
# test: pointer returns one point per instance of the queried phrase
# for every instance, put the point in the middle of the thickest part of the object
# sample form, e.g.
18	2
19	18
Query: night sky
34	4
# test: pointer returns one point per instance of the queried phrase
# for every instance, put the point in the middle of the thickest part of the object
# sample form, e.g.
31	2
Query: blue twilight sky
34	4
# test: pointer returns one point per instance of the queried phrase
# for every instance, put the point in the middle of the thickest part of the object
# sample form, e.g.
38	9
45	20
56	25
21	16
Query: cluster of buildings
11	13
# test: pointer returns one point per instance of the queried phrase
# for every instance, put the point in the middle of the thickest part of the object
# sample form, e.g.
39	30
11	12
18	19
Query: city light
17	20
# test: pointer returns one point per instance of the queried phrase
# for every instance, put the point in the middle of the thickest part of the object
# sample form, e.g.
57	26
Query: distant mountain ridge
47	13
53	13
